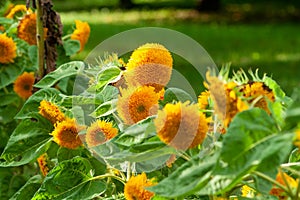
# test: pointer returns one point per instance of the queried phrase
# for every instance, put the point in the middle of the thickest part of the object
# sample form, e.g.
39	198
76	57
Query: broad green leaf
8	113
4	20
292	114
29	189
176	94
28	141
10	72
33	56
106	76
105	109
65	70
8	99
137	133
186	179
30	108
67	154
71	179
71	47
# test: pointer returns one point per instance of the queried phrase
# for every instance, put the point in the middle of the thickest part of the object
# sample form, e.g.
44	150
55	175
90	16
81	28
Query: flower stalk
40	39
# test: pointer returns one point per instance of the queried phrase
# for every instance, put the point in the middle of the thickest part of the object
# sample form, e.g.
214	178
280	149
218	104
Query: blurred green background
247	33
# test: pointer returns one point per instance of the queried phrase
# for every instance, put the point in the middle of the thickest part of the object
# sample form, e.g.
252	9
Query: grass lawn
274	48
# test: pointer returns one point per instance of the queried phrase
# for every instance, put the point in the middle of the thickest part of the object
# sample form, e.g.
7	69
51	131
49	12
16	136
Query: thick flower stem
40	39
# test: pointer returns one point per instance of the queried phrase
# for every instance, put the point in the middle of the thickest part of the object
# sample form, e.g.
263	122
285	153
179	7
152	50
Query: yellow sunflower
181	125
43	164
203	100
24	84
135	104
150	64
17	9
247	191
258	91
283	178
27	28
8	49
66	133
99	132
135	188
51	112
81	33
226	101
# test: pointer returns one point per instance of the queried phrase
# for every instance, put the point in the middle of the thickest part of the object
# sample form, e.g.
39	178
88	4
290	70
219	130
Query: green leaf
137	133
10	72
106	76
8	99
105	109
71	47
292	114
33	56
71	179
67	154
176	94
8	113
31	106
186	179
4	20
65	70
29	189
29	140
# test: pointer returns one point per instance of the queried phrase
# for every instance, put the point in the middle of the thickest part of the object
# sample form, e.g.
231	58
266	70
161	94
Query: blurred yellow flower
23	85
135	188
51	112
257	92
181	125
8	49
81	33
297	139
99	132
66	134
27	28
247	191
43	164
135	104
150	64
203	100
17	9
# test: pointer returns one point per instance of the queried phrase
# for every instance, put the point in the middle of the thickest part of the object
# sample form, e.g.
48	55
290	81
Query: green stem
108	176
40	39
267	178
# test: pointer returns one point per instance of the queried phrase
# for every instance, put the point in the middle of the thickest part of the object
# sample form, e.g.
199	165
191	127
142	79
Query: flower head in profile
43	164
135	188
27	28
284	179
23	85
181	125
99	132
150	64
51	112
81	33
16	10
135	104
66	135
257	93
8	49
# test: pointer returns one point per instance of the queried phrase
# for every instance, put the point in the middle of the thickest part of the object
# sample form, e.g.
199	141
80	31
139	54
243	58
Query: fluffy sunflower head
66	134
258	92
24	84
283	179
81	33
181	125
135	188
8	49
27	28
16	10
51	112
150	64
135	104
43	164
99	132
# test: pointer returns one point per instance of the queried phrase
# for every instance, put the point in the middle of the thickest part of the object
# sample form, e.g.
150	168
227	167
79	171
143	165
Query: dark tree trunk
209	5
126	4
